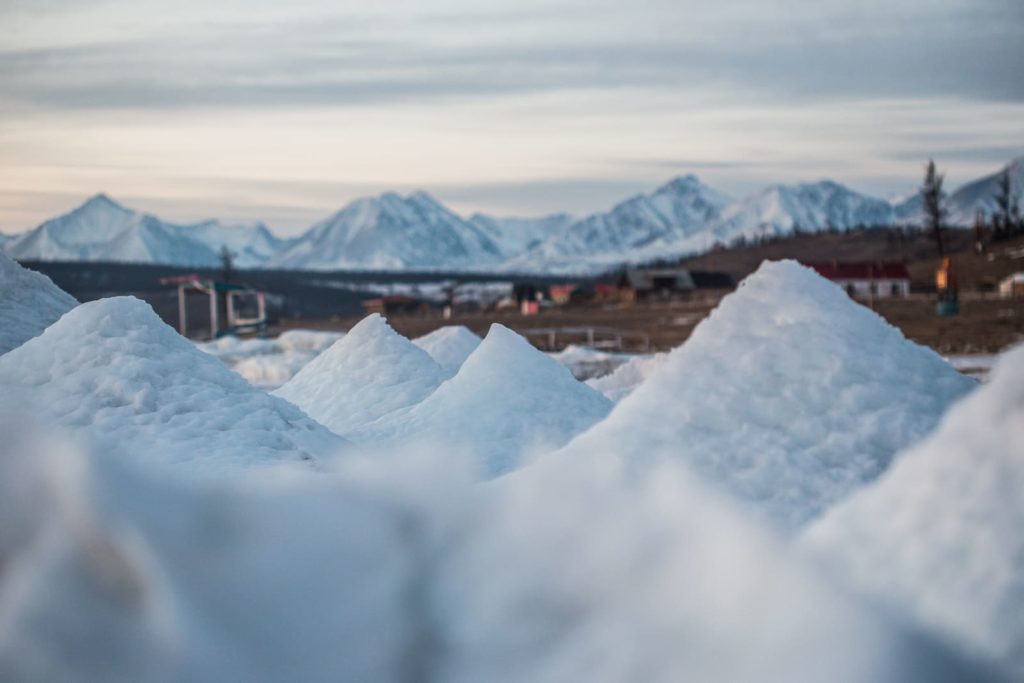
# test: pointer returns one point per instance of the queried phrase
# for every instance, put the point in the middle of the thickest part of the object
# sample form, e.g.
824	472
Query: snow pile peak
507	399
449	346
942	533
112	369
370	372
29	302
790	395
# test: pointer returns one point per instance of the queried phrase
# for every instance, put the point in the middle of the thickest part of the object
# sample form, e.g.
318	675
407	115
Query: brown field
985	324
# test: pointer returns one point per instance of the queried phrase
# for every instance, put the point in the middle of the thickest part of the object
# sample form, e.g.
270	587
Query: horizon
252	111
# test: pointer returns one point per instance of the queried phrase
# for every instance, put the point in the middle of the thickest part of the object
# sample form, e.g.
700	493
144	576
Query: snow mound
789	395
942	532
113	370
29	303
628	376
565	574
449	346
370	372
508	399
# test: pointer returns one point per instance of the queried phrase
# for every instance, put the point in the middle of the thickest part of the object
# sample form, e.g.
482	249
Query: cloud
362	60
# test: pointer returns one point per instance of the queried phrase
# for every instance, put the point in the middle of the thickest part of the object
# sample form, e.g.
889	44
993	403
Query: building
1012	286
867	279
636	284
397	304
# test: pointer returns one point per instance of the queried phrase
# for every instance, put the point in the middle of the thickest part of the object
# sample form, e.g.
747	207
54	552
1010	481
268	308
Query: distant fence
557	338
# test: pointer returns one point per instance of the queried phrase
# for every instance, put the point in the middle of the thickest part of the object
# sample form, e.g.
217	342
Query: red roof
861	270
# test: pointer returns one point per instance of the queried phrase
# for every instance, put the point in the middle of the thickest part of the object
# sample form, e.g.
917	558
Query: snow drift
789	395
369	373
507	399
114	371
29	303
942	533
110	573
449	346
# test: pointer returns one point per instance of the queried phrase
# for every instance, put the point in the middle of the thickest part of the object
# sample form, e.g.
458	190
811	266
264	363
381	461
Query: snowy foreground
797	493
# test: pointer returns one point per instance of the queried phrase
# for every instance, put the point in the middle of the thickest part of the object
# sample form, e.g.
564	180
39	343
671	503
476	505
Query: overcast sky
284	111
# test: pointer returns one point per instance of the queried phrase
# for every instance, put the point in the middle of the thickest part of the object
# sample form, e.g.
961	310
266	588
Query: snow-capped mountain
103	230
251	244
516	235
966	201
417	232
644	226
811	207
980	195
391	232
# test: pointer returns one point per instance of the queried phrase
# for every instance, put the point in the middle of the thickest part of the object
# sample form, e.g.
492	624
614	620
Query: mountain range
417	232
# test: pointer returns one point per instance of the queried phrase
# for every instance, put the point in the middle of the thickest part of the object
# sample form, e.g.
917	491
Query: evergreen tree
227	264
932	197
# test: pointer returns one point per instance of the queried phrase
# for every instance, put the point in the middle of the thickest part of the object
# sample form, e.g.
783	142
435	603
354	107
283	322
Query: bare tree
932	198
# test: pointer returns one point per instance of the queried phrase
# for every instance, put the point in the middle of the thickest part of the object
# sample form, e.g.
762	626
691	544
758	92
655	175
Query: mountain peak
101	200
683	183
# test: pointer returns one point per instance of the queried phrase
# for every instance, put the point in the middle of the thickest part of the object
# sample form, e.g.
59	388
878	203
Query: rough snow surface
507	400
789	395
369	373
388	572
114	371
449	346
941	534
29	303
622	381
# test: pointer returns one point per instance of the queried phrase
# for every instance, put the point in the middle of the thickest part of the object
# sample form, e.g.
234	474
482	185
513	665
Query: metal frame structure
195	284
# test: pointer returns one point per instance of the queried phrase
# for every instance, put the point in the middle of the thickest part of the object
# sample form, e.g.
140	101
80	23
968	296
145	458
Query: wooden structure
236	299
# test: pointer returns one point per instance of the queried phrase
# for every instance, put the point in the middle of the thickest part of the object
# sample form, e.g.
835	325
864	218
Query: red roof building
865	278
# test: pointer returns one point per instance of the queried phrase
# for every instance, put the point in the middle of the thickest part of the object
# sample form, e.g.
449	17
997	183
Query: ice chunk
941	534
507	400
789	395
112	369
370	372
29	303
563	572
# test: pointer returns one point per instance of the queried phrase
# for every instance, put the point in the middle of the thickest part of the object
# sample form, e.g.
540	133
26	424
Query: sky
286	111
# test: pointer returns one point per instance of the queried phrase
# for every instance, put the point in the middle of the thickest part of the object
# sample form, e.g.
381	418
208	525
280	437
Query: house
636	284
867	279
1012	286
397	304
